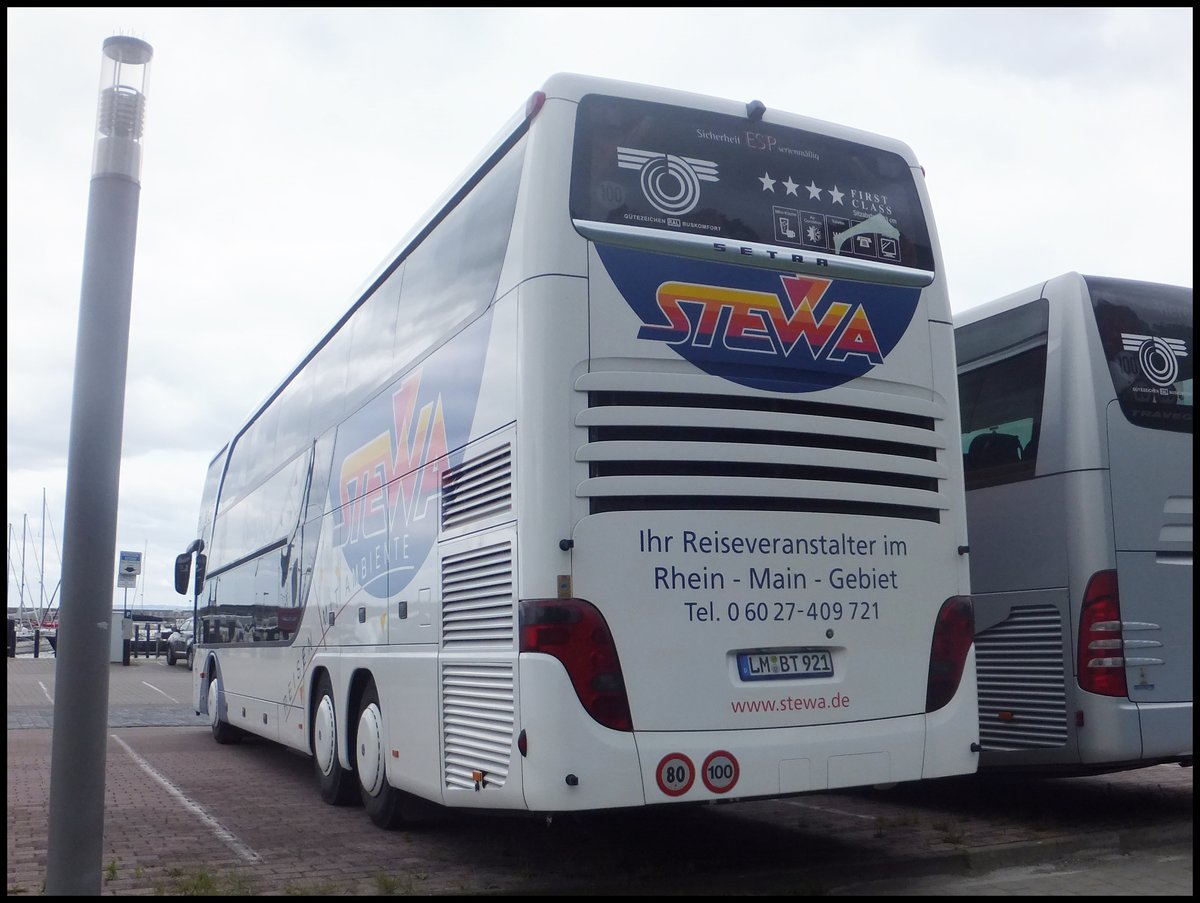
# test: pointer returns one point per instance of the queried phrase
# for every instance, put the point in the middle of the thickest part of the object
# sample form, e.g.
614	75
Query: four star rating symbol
814	191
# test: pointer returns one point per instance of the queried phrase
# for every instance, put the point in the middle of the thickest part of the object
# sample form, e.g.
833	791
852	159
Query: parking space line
223	834
157	690
829	809
46	692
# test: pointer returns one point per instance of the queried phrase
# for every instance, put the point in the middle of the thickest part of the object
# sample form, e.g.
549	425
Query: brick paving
186	816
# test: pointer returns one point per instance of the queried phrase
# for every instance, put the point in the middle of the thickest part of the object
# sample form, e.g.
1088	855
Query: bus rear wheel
338	784
383	802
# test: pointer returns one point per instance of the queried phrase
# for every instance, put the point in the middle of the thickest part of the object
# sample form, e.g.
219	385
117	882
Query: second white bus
631	478
1077	401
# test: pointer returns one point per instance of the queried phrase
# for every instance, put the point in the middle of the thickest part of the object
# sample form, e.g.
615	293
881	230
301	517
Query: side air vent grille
477	489
477	722
690	450
1022	691
477	598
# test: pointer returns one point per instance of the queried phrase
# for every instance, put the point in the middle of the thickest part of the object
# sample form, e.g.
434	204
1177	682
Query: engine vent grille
477	598
477	722
477	489
1022	691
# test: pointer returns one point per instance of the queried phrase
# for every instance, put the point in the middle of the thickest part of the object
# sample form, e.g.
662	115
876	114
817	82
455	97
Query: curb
985	859
1034	852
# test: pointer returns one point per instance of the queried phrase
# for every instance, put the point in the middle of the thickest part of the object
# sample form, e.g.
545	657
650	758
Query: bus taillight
575	633
1101	650
534	105
953	633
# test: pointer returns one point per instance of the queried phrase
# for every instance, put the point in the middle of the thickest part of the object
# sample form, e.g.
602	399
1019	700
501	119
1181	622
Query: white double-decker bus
631	478
1077	401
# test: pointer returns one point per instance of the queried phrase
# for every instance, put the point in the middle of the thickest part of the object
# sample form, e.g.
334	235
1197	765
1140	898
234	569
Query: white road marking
157	690
46	692
829	809
224	834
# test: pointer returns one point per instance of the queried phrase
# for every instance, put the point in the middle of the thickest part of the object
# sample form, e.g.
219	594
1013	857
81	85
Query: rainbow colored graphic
761	328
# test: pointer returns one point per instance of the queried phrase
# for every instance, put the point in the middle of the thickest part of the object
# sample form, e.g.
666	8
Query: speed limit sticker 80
675	774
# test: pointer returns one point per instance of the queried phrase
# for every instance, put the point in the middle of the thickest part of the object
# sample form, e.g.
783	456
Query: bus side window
1001	379
1002	419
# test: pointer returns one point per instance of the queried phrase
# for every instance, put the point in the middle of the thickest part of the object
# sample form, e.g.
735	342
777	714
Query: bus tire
339	786
383	802
223	732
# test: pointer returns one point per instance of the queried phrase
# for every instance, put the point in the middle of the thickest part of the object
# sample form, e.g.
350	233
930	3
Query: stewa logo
670	183
386	492
1156	356
388	462
764	322
758	327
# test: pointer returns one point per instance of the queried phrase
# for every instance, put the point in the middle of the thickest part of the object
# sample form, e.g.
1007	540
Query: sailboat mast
42	562
24	532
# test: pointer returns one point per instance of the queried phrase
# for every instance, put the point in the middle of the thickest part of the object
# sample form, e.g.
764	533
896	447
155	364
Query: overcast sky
288	151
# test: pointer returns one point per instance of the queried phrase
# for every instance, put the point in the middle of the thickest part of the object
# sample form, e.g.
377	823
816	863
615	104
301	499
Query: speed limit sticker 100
720	771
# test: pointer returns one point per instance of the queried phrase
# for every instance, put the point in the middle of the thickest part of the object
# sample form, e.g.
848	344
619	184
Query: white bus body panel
573	763
693	611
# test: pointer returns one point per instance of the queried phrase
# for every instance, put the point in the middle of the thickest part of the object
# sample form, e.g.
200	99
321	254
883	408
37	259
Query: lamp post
79	743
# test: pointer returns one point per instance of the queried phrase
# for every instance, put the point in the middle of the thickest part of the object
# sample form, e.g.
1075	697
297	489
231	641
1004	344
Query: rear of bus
1145	333
1081	543
762	586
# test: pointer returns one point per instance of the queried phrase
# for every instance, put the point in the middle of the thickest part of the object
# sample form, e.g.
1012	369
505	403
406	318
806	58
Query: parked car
181	644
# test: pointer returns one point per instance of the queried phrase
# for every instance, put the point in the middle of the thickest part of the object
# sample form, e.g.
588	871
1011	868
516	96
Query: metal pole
126	645
42	563
79	743
24	524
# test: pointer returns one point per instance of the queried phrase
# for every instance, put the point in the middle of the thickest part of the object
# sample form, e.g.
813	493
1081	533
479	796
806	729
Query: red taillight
953	633
574	632
1101	657
534	105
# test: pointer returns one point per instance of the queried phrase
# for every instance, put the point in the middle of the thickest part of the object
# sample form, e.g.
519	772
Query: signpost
128	569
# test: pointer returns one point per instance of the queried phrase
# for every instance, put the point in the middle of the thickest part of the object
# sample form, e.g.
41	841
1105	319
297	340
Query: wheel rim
325	736
369	750
214	695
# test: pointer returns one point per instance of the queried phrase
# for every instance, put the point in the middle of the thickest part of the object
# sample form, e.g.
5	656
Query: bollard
37	641
12	638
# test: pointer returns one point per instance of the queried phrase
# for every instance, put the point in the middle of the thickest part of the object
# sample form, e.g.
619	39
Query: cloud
287	152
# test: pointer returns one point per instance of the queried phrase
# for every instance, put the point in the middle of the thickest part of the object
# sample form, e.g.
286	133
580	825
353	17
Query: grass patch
949	833
201	883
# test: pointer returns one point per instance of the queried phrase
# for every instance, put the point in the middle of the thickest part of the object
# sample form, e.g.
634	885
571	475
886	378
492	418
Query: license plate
785	664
